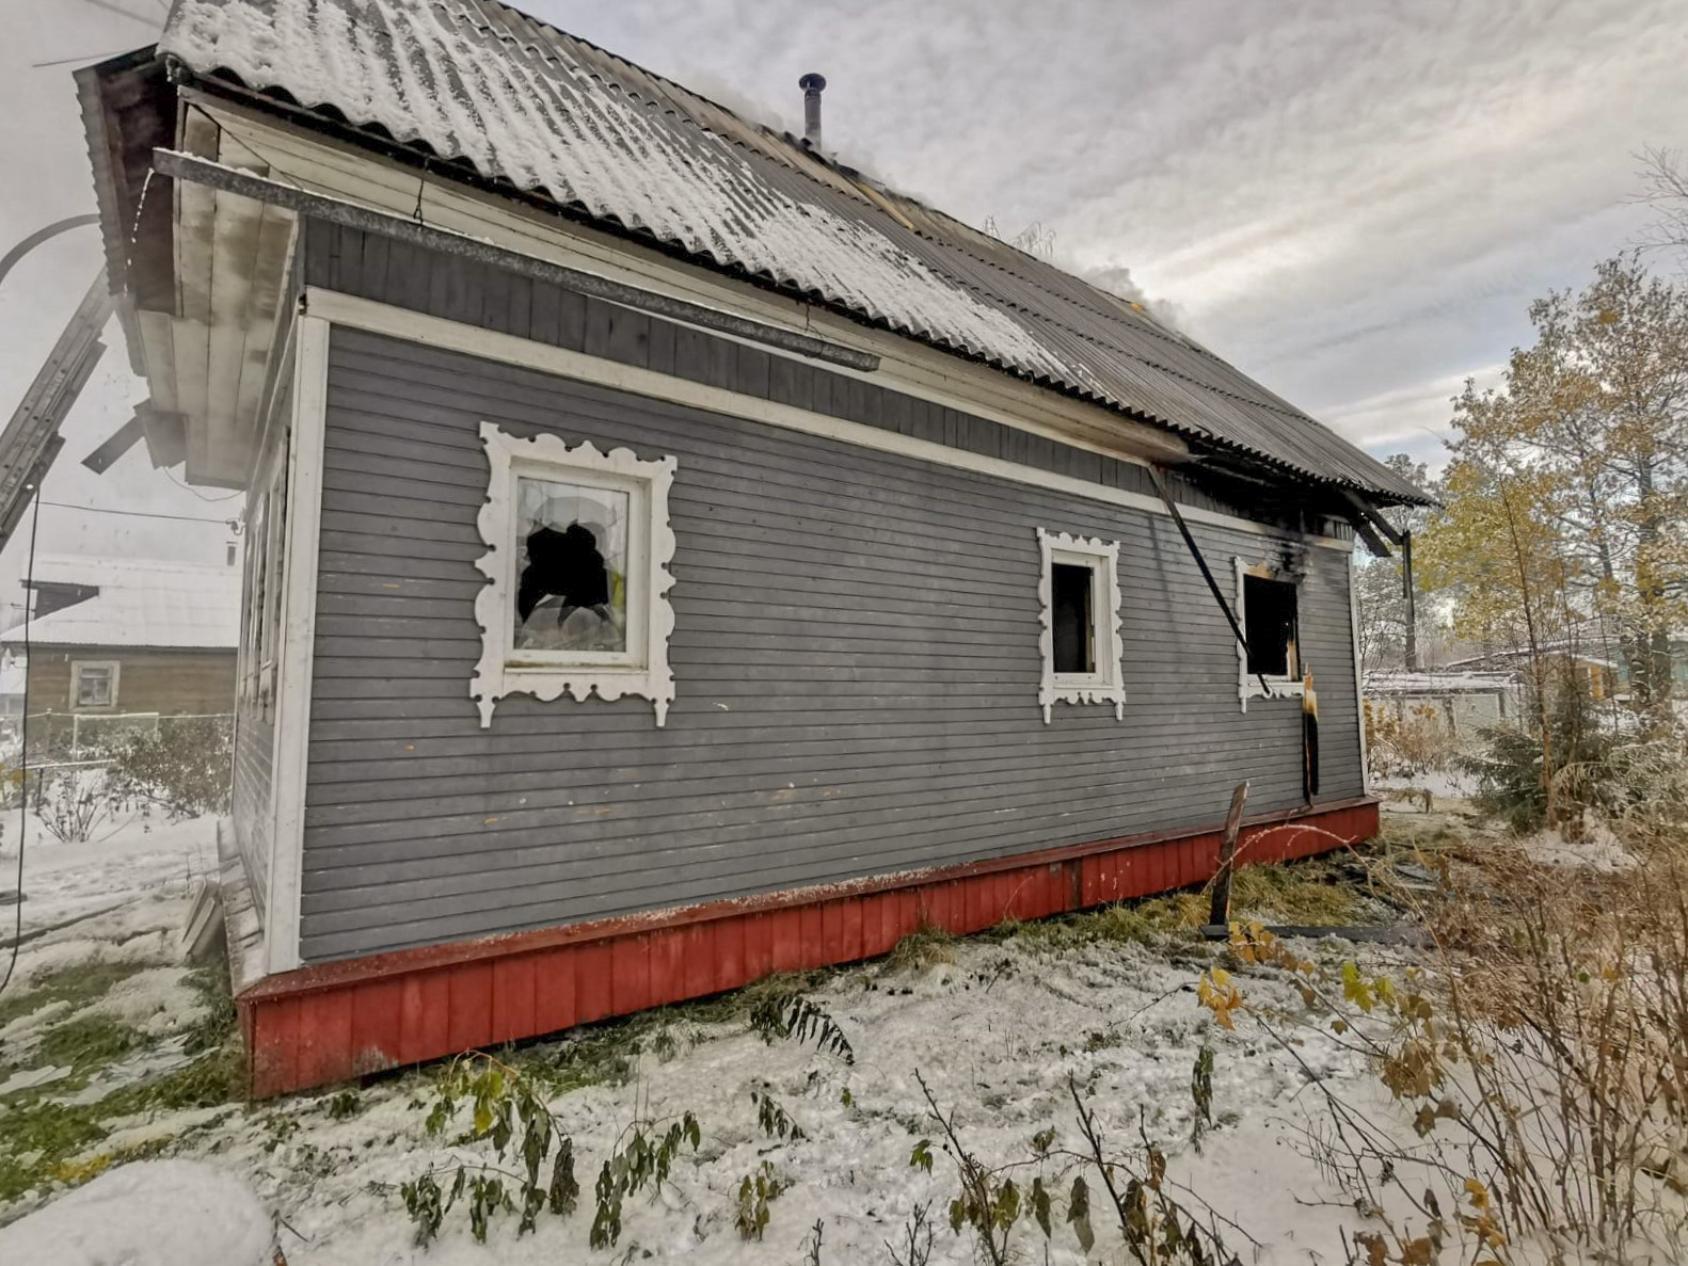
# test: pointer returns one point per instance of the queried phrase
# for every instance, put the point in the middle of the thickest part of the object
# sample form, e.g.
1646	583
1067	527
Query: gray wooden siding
855	656
374	267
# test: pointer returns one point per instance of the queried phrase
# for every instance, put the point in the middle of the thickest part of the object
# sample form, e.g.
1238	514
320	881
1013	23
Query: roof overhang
199	277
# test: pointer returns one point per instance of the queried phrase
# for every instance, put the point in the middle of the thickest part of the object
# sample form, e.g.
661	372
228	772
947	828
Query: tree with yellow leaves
1567	496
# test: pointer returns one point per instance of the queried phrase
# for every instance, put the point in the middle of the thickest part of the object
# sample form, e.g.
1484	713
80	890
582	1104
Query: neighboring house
1603	678
1460	703
114	643
673	557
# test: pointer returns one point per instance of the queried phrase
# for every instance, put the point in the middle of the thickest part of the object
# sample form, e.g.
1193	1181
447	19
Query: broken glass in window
571	587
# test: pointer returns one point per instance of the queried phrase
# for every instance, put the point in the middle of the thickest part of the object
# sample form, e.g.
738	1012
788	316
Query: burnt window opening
1270	626
1072	591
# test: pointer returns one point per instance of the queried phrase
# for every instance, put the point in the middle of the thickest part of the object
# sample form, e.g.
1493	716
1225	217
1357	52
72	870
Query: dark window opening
1269	623
1072	587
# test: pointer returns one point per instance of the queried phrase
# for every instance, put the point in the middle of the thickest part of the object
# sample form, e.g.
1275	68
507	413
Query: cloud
1351	202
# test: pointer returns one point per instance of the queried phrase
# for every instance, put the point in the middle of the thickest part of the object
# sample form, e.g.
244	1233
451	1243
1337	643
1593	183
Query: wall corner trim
298	645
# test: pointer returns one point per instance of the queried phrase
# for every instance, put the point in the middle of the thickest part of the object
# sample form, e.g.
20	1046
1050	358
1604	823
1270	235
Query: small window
1267	610
1269	607
579	544
1080	641
1075	643
93	684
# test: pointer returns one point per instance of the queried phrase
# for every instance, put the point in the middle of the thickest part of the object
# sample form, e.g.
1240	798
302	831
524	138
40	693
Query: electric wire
23	744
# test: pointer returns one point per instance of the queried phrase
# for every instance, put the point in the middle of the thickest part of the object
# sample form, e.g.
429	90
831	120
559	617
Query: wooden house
676	556
116	646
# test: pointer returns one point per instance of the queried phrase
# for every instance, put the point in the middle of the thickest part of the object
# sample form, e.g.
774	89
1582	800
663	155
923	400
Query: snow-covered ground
997	1026
996	1032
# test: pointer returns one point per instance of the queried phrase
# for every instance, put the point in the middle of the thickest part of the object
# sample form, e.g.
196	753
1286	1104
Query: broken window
578	546
93	684
1266	609
1081	651
571	540
1269	623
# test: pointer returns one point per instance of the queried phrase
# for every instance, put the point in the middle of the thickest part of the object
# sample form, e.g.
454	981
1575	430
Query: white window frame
1276	686
642	669
1107	683
78	666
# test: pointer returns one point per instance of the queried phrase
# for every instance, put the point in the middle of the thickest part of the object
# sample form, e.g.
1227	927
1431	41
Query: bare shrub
1538	1052
71	803
186	766
1405	743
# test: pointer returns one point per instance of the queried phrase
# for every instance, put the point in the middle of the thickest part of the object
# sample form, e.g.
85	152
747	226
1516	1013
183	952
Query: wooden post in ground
1219	913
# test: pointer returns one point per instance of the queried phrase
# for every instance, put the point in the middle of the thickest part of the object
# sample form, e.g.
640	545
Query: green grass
39	1136
1129	922
1311	892
79	985
927	947
87	1042
37	1139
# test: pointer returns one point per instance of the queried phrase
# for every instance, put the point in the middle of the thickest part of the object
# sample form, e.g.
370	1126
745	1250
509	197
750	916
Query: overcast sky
1355	202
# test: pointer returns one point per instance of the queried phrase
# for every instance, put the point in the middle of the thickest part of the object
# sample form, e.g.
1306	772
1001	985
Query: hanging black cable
23	742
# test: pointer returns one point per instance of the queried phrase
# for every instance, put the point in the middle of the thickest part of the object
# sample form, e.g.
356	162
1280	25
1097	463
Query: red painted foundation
324	1024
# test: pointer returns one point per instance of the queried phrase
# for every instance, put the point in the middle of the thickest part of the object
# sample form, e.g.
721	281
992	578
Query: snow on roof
528	105
1430	683
140	603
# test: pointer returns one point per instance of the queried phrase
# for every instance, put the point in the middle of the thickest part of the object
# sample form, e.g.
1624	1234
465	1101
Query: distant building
1604	678
115	644
1462	703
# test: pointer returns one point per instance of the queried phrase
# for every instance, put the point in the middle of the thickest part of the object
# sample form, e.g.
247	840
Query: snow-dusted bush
186	766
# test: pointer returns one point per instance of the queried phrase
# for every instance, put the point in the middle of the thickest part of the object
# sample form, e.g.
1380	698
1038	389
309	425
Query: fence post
1219	912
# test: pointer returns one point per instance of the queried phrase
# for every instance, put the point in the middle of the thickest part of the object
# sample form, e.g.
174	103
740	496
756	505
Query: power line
137	514
239	492
23	748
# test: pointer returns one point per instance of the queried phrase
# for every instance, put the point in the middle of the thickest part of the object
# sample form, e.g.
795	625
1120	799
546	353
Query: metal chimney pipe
812	84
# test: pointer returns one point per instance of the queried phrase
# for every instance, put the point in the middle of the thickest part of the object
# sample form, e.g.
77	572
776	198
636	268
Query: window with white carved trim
1268	610
578	547
1080	641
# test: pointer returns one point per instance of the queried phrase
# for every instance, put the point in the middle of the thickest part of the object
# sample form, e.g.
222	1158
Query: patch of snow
148	1062
140	604
119	898
1598	850
156	1001
29	1078
150	1213
1444	784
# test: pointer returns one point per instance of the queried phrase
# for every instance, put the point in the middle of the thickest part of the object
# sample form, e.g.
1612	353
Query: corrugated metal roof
529	105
